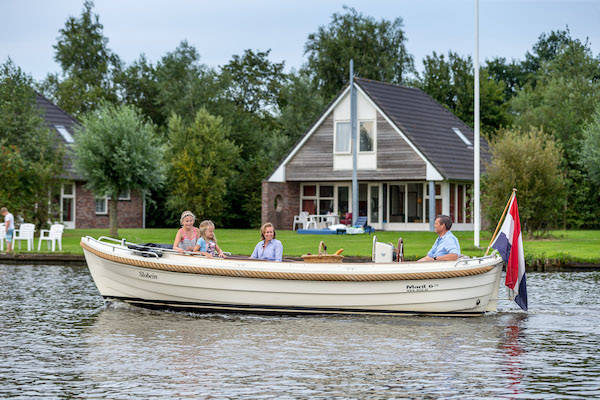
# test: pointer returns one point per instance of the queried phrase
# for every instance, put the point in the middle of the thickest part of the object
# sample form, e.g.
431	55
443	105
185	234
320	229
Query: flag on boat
509	244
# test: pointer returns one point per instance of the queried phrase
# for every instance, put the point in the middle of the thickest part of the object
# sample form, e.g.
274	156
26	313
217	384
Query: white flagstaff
353	126
476	211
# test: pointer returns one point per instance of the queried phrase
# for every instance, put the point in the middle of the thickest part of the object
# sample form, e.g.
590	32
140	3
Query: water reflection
61	340
512	352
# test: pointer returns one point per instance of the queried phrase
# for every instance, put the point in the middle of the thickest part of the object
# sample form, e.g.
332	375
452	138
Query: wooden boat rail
266	274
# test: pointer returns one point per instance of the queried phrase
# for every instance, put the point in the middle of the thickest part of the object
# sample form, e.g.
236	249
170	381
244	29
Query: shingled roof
429	126
55	117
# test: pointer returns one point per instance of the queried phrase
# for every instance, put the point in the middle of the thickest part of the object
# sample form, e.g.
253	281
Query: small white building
406	140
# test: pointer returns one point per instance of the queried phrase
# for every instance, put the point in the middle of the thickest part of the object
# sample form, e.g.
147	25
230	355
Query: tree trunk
114	200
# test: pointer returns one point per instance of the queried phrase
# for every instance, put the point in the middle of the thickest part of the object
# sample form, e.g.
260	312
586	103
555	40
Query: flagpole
500	222
477	212
355	144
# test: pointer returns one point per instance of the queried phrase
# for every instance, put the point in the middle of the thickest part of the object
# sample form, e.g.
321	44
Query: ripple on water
61	340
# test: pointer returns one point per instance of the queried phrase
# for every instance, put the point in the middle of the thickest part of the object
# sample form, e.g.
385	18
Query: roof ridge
387	83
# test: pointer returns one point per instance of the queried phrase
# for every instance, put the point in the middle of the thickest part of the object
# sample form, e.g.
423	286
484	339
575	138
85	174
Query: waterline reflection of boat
166	279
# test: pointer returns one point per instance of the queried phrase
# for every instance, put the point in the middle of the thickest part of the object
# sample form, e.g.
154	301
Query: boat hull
218	292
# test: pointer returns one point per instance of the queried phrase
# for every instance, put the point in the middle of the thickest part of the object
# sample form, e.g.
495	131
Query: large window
438	200
460	202
320	198
406	203
343	137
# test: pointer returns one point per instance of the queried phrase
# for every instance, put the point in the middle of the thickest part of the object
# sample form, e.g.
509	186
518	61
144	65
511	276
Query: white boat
167	279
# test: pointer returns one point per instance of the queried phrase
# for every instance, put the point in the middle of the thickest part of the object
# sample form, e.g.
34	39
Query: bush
530	162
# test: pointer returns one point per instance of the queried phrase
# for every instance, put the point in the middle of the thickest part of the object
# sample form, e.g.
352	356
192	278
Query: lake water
60	340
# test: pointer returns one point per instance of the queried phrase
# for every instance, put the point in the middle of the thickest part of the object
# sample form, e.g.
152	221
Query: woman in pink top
188	235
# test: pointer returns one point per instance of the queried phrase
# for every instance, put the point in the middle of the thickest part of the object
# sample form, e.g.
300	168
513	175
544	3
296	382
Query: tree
377	47
513	74
117	151
249	107
300	108
529	161
548	46
200	164
451	82
88	65
30	158
590	155
562	101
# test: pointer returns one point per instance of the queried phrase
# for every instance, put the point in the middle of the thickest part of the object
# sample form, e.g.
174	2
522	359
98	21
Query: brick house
408	143
78	207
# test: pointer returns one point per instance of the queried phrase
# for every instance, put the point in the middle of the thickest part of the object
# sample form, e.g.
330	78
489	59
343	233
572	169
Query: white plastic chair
53	235
25	232
301	219
2	236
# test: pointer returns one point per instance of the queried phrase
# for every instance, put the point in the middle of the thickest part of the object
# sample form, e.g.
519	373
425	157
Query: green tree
562	101
300	108
31	159
451	82
88	65
548	46
377	47
590	154
513	74
249	106
529	161
117	151
200	163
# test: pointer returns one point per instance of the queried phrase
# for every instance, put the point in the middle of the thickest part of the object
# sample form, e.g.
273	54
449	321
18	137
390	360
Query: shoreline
538	265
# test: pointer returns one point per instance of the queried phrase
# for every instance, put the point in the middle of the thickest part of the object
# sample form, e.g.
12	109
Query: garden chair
361	222
301	220
2	236
53	235
25	232
347	220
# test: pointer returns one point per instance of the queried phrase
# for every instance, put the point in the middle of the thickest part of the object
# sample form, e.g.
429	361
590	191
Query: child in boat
188	235
207	244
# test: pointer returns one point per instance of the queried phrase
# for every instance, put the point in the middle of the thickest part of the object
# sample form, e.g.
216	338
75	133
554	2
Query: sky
218	29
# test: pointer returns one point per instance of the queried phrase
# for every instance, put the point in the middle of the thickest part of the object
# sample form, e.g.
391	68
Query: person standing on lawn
9	225
446	246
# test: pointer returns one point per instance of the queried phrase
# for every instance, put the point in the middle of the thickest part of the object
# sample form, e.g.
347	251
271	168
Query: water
59	340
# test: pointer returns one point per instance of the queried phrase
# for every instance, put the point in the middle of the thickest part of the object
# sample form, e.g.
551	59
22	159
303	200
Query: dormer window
64	133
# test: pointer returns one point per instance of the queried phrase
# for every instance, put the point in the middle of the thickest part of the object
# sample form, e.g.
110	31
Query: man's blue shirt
447	244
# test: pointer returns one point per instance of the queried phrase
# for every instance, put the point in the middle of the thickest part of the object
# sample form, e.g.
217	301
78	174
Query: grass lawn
581	246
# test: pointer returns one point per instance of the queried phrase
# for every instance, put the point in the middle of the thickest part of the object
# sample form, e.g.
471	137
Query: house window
366	136
101	205
126	195
318	198
343	137
64	133
462	137
438	200
460	207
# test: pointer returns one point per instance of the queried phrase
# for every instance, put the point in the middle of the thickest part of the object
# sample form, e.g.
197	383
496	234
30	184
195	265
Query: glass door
67	205
374	204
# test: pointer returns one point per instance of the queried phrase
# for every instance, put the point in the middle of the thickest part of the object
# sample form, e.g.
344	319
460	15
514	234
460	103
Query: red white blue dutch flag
509	244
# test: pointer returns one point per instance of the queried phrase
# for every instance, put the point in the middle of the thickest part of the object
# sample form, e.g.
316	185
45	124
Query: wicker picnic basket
323	257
